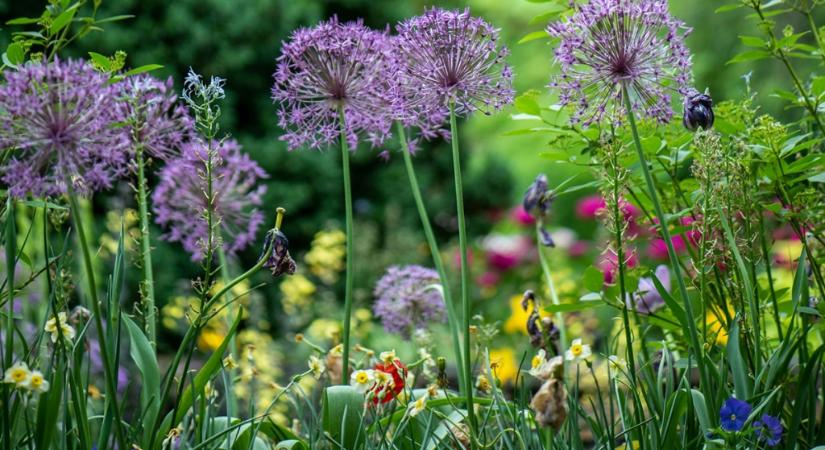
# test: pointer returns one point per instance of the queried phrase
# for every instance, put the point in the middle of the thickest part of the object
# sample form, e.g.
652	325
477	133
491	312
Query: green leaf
23	21
527	103
63	19
752	41
741	382
593	279
590	302
727	8
291	444
536	35
818	178
143	69
753	55
144	357
701	409
101	61
343	416
15	54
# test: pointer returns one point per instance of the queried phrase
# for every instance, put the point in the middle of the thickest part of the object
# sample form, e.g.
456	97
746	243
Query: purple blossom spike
408	298
607	44
179	200
61	121
451	56
332	70
156	120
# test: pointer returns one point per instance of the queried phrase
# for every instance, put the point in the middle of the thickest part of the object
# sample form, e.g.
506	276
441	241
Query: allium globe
408	298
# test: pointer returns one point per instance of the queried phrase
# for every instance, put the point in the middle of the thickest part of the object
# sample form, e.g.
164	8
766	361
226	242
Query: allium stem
465	272
146	252
11	249
349	249
452	316
111	386
674	259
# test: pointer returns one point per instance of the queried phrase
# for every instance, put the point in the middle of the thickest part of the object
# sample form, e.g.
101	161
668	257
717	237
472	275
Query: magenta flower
60	119
451	56
179	200
589	207
409	298
609	44
155	119
329	72
608	263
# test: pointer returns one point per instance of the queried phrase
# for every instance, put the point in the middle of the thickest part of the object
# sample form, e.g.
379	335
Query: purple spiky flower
408	298
179	200
610	44
333	72
451	56
61	122
154	117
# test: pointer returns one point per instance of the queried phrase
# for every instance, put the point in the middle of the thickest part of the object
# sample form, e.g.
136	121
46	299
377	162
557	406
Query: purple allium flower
408	298
156	120
451	56
332	70
607	44
61	121
647	299
769	429
179	200
734	414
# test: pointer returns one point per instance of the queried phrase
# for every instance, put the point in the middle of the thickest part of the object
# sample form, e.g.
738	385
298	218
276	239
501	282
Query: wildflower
617	363
156	121
734	413
59	118
483	384
647	299
388	357
330	78
503	365
279	262
769	430
172	437
578	351
390	380
409	298
610	45
65	330
18	374
698	111
179	201
316	366
229	363
539	364
420	404
362	380
36	382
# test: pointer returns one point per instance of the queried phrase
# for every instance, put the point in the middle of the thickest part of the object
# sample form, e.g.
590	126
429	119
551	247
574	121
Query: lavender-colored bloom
451	56
179	200
408	298
61	120
734	413
647	298
333	72
769	429
156	120
608	44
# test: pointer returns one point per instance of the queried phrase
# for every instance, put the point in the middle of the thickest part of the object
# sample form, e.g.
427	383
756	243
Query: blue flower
734	413
769	430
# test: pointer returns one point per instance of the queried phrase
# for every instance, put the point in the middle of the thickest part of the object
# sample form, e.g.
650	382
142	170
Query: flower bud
278	261
698	111
536	200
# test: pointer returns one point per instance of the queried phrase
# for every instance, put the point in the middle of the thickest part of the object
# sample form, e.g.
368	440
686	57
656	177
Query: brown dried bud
550	404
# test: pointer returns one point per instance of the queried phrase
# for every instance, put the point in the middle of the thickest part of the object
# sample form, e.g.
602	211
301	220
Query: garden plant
658	285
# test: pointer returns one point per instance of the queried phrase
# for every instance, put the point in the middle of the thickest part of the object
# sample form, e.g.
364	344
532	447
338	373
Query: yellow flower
420	404
362	380
18	374
229	363
36	382
715	320
388	357
517	322
209	339
94	392
316	366
577	351
503	364
325	258
66	330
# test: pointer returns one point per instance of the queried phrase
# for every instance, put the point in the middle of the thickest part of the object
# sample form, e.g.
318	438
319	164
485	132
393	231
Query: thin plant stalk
674	259
465	270
11	249
452	316
349	249
111	387
146	252
554	298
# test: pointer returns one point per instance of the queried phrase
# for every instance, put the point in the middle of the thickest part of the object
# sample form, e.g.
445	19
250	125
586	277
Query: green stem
111	387
465	272
146	253
349	249
815	32
545	268
674	259
452	316
11	249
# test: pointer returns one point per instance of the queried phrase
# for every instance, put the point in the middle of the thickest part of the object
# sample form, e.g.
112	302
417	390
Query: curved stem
146	253
674	259
349	249
545	268
465	270
452	316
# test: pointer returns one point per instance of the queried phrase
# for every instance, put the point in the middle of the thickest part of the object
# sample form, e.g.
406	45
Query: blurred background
240	39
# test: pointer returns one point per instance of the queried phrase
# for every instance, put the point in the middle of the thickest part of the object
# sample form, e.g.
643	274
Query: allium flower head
451	56
61	118
734	414
179	200
155	118
333	71
408	298
608	44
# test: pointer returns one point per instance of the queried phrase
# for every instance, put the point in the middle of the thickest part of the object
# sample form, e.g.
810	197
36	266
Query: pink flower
589	207
658	248
505	252
578	249
488	279
521	216
608	263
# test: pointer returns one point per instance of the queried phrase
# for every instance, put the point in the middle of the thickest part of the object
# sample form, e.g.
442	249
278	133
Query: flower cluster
610	45
58	326
22	378
408	298
383	382
179	200
734	415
